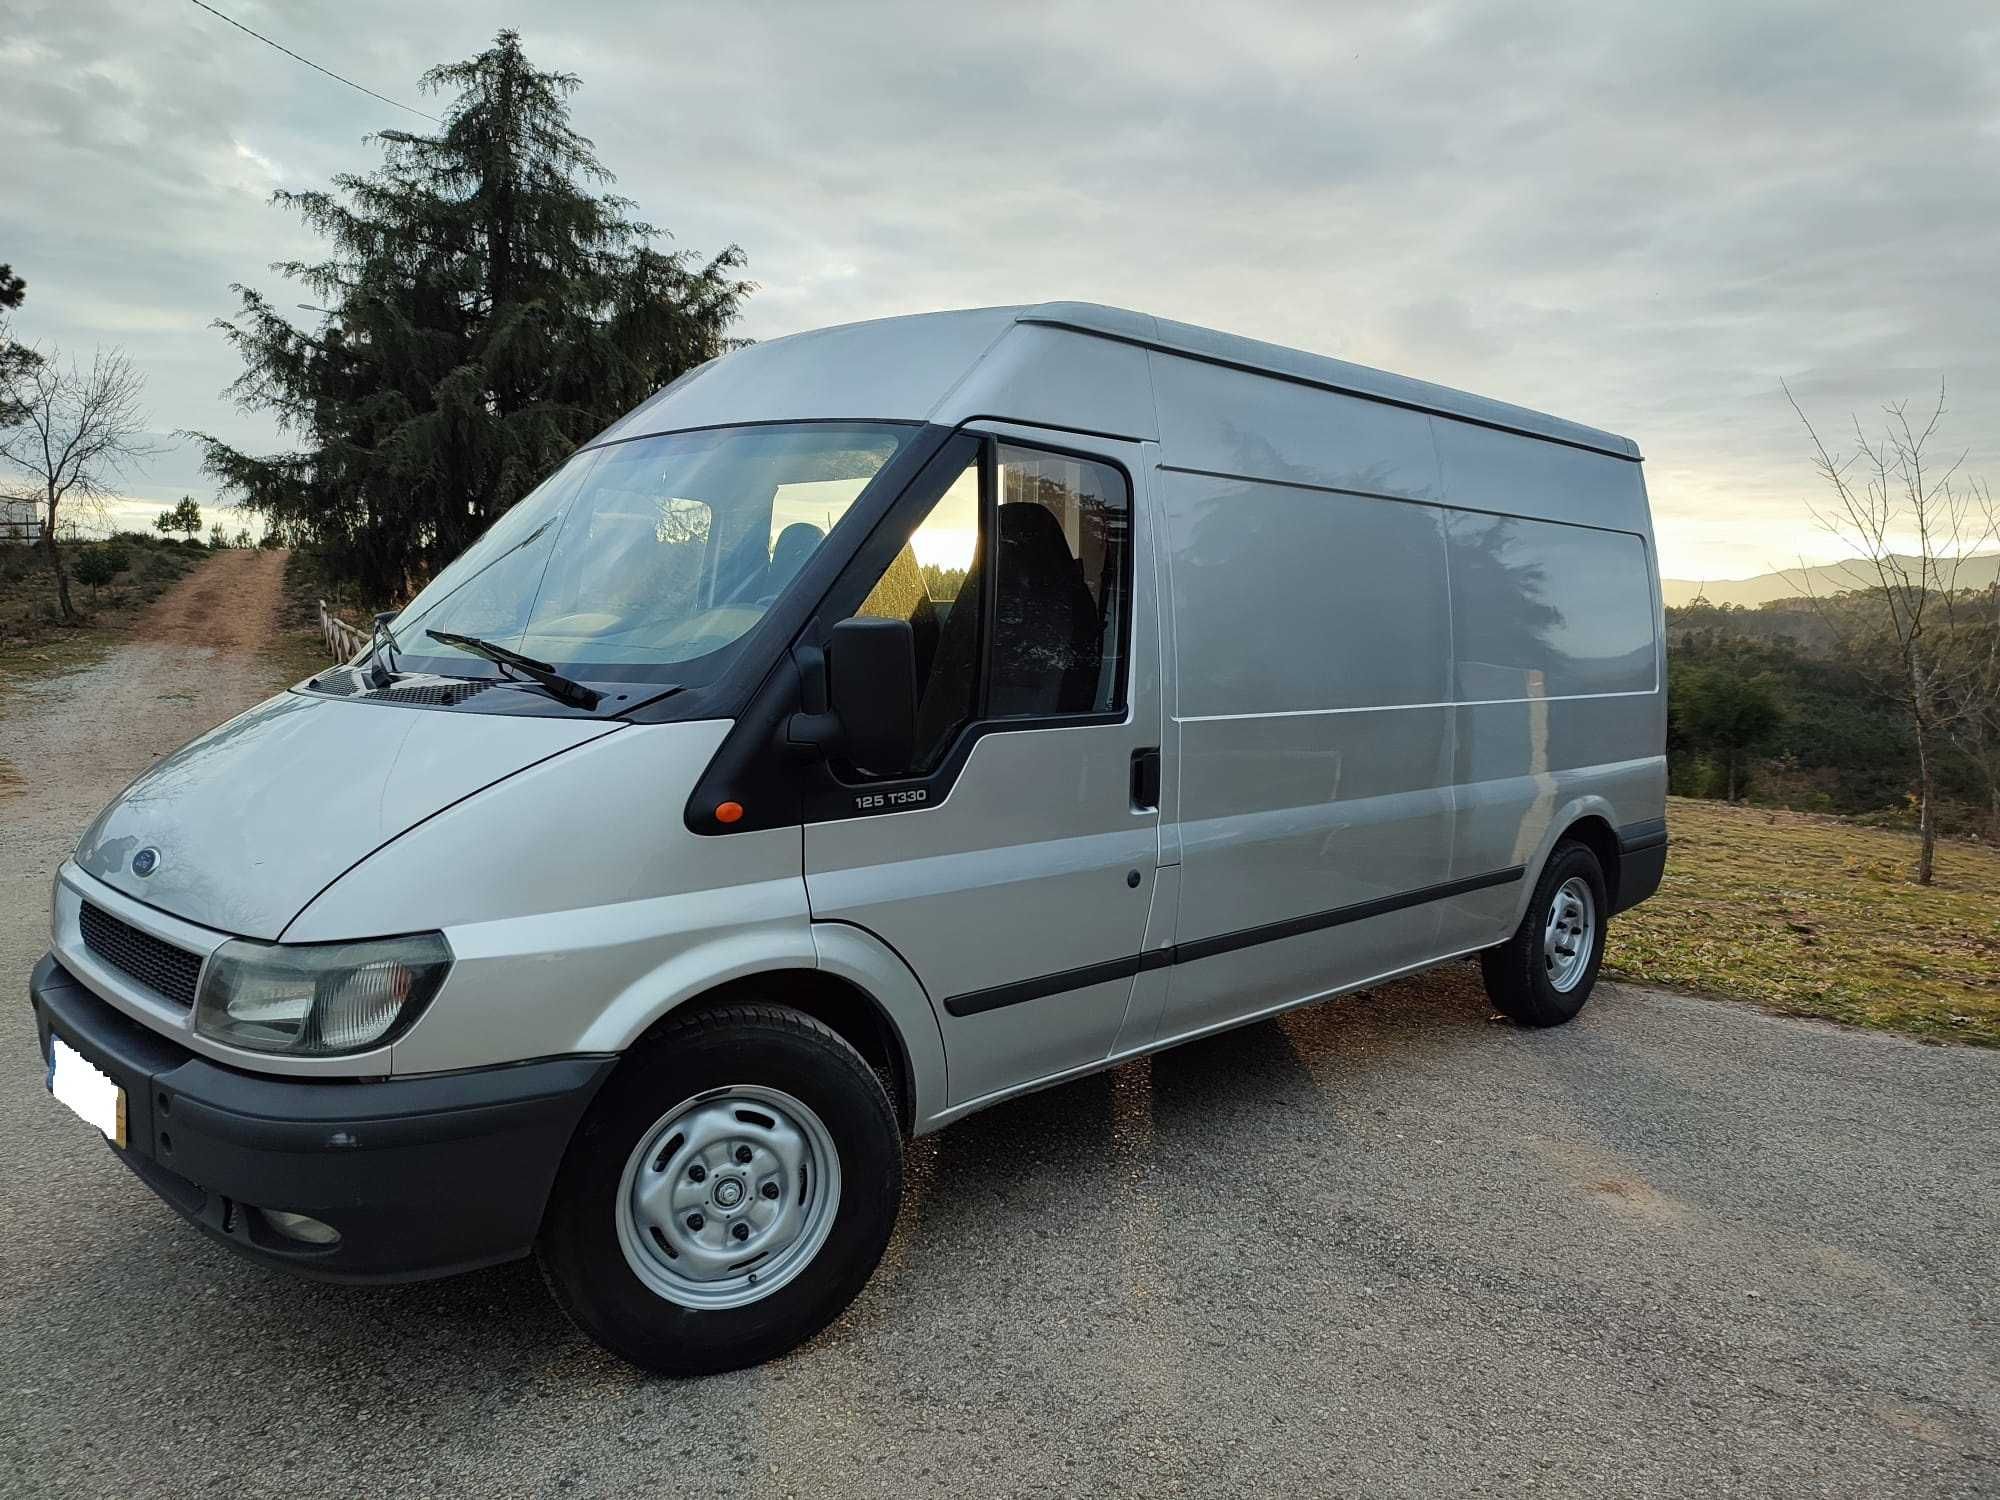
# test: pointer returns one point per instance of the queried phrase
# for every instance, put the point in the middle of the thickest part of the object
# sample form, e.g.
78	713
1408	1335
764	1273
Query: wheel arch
1588	820
837	1003
1595	833
842	976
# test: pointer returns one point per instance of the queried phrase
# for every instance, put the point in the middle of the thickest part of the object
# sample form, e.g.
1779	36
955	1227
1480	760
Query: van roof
904	367
1299	366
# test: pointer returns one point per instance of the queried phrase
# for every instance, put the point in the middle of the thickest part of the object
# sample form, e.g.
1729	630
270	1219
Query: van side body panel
1410	651
1217	420
1314	739
1483	469
1558	657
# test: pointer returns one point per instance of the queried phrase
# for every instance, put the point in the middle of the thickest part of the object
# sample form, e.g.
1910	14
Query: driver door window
926	585
1033	629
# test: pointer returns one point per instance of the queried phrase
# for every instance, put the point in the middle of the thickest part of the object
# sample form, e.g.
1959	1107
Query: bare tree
74	430
1889	494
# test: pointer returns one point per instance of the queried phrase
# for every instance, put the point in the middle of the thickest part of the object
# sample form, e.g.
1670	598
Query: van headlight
318	999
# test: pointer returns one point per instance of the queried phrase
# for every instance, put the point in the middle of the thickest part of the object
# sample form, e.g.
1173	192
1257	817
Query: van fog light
318	999
301	1227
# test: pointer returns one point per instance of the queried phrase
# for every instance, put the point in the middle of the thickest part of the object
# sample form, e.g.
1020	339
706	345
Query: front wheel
727	1195
1543	973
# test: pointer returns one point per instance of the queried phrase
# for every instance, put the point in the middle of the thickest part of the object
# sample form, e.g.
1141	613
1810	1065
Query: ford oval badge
145	862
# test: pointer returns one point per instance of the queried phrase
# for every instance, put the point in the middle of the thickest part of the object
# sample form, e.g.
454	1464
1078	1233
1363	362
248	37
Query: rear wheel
1542	975
727	1195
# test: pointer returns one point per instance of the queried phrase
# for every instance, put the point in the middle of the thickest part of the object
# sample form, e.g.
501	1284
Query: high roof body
1028	364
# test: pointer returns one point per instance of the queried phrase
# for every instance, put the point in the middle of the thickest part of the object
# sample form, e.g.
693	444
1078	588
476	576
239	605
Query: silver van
875	724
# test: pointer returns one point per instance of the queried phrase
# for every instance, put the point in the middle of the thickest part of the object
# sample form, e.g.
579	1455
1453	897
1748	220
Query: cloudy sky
1642	216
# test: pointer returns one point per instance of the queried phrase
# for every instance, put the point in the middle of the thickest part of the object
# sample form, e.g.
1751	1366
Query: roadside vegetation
117	578
1768	706
298	650
1812	915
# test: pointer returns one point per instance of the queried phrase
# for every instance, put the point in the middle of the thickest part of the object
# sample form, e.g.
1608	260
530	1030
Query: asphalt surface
1385	1246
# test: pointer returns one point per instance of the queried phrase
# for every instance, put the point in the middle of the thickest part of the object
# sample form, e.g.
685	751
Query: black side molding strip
978	1002
1647	835
1250	937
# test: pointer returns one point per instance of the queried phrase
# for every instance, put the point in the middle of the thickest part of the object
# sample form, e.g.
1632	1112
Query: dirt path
230	602
67	743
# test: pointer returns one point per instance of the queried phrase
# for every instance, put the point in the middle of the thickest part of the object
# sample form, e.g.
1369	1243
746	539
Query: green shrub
1696	776
93	568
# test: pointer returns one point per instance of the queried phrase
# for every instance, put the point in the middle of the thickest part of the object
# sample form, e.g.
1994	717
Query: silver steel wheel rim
1569	933
728	1196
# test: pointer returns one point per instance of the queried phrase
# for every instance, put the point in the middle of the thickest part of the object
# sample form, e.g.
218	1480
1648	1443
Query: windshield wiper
565	689
383	661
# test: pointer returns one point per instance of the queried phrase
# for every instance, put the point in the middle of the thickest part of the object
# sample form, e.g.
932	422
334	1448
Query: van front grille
167	971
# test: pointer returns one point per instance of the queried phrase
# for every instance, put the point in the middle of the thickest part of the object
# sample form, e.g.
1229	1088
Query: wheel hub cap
1569	934
728	1196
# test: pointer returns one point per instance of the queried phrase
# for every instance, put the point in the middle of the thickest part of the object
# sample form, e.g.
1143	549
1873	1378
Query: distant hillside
1973	573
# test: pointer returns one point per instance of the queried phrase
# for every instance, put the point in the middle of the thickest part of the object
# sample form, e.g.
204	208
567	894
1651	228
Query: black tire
768	1045
1516	971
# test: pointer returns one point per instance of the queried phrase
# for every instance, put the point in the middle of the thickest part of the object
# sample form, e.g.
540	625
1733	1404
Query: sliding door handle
1146	779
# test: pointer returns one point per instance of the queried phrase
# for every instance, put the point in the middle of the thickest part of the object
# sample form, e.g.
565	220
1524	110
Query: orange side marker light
729	812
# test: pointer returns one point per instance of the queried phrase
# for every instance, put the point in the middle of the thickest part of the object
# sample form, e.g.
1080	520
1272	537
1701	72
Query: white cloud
263	174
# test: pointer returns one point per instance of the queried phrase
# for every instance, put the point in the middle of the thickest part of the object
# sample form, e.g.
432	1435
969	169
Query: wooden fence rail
343	641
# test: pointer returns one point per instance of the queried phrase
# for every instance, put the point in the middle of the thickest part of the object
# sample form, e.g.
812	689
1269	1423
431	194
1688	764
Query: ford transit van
875	724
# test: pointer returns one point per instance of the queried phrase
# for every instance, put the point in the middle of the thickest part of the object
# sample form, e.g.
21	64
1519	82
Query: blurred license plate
87	1089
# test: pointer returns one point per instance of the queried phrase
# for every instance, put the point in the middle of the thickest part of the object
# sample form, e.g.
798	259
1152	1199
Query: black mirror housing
872	685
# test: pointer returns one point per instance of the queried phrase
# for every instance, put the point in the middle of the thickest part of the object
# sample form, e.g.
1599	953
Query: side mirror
872	685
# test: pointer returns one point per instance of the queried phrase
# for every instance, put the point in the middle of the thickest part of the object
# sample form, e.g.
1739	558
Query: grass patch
34	641
75	648
1816	916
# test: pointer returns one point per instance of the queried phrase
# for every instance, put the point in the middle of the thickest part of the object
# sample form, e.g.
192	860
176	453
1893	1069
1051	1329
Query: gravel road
1386	1246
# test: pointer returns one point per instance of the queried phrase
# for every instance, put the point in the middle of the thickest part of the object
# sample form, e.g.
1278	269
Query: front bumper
420	1176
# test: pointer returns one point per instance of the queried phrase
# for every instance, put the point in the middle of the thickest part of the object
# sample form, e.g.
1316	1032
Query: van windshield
640	555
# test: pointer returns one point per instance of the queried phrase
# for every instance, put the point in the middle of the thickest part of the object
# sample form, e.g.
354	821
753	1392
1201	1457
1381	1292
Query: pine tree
185	516
487	311
16	359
